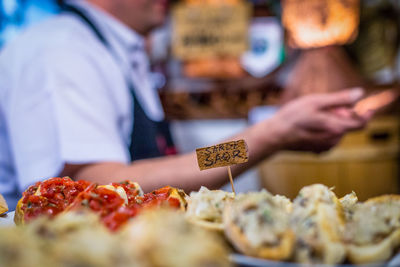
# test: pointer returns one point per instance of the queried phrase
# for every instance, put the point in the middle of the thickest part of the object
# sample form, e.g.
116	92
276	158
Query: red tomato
98	199
55	195
158	198
130	189
119	217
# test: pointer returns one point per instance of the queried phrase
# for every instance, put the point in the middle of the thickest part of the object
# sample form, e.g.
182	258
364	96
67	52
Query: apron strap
149	138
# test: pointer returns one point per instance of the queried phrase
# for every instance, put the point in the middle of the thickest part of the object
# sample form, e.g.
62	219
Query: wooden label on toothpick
224	154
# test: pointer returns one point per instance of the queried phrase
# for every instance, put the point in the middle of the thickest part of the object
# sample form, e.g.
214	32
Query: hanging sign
207	30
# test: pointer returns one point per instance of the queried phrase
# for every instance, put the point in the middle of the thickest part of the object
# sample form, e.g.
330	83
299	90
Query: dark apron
149	138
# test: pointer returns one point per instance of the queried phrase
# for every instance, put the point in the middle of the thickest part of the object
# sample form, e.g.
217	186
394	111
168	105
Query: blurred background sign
209	30
266	51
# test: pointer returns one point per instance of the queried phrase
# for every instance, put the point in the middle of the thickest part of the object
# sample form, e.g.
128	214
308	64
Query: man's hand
313	123
317	122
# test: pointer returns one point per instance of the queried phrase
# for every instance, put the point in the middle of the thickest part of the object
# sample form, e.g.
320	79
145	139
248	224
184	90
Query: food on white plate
257	224
205	207
318	221
3	205
373	233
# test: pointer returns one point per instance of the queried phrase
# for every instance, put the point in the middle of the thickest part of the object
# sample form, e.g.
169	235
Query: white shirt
64	98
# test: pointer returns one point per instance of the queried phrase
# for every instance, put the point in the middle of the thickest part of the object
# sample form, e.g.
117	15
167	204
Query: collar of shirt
129	49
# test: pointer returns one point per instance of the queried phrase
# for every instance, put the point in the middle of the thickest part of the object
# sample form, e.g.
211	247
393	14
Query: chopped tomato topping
117	218
158	198
98	199
58	194
54	196
130	189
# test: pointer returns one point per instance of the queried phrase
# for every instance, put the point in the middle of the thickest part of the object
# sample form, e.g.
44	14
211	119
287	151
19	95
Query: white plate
246	261
7	219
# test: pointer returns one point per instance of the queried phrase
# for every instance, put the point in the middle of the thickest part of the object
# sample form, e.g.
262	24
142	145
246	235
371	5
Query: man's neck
112	9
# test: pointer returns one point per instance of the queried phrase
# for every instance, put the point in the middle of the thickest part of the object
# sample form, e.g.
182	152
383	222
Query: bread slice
19	213
3	205
181	196
373	233
374	253
212	226
257	224
205	208
318	221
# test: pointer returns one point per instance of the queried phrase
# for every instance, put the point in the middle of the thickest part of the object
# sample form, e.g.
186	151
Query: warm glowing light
317	23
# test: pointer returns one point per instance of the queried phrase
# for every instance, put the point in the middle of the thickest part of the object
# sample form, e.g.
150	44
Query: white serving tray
7	219
246	261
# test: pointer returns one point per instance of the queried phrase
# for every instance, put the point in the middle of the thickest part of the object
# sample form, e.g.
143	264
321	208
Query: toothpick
231	179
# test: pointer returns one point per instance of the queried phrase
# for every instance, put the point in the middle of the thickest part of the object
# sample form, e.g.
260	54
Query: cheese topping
207	204
304	218
318	222
261	217
371	222
348	203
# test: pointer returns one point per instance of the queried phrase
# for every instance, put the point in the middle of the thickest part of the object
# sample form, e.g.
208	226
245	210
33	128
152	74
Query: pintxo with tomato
115	203
49	197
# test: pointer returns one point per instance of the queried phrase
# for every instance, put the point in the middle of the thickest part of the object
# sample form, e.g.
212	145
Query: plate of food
316	229
77	223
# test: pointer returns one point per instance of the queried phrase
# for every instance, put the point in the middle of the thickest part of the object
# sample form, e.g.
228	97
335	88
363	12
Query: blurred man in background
76	99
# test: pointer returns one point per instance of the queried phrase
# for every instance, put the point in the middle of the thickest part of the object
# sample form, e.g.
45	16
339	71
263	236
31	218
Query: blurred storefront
341	44
221	65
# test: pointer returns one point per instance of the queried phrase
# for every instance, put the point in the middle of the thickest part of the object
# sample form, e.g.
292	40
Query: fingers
317	122
343	112
376	102
367	115
316	142
343	124
333	124
342	98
